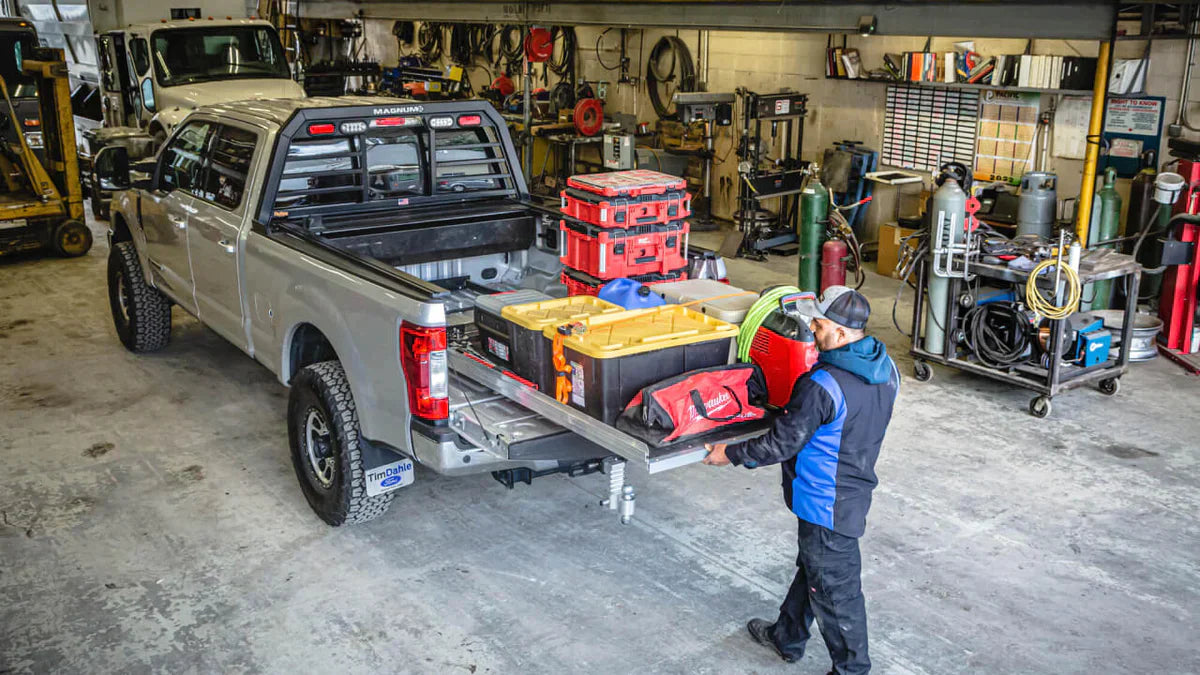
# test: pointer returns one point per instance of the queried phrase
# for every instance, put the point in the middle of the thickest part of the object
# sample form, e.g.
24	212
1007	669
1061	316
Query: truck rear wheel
324	438
141	313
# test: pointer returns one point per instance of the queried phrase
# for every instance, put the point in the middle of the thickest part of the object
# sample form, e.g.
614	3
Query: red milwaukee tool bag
696	403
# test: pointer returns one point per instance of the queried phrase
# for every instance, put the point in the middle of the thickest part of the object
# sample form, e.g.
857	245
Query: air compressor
783	345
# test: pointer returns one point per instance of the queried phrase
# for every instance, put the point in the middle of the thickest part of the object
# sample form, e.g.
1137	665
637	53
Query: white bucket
1167	187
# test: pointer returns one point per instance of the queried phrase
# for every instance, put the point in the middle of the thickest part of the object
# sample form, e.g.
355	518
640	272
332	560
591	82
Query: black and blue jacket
832	428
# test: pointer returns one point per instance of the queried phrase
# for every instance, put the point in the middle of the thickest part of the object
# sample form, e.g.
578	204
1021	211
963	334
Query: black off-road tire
141	313
323	389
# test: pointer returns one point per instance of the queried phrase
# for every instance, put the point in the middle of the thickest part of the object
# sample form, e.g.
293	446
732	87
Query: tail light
423	358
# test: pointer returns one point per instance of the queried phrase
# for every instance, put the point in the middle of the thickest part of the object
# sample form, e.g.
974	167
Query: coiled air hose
767	303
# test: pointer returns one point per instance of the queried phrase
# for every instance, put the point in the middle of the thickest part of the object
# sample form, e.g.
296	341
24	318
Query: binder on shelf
1026	70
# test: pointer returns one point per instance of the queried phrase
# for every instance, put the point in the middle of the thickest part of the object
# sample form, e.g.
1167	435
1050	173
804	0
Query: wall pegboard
926	127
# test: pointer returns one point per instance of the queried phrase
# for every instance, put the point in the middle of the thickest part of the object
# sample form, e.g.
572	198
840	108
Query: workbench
1048	379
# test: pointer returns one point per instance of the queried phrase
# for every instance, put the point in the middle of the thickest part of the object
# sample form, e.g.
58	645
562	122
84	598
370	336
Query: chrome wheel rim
318	445
122	300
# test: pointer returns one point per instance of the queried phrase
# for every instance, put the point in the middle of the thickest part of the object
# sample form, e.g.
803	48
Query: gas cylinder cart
986	329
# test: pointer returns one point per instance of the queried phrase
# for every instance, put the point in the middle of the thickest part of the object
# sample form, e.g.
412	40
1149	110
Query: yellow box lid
638	331
538	315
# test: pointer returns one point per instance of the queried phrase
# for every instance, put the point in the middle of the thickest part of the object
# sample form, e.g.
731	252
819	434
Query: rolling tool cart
996	338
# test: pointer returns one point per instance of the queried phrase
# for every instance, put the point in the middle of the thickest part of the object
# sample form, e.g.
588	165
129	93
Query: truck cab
18	38
153	74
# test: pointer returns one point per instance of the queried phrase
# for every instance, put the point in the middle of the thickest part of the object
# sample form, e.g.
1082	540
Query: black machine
763	176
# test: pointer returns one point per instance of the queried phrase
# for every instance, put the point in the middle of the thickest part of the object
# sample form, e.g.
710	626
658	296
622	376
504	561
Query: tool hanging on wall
680	75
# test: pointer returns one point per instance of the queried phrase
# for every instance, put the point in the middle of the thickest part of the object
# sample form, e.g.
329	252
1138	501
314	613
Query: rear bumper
445	452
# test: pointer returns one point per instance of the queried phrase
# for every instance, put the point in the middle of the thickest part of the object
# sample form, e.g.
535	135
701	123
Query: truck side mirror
111	168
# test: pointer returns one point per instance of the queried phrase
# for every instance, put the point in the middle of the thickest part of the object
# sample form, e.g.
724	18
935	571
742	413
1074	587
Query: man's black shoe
760	630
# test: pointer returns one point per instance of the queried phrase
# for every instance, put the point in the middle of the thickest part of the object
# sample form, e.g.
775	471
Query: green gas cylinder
1105	224
814	213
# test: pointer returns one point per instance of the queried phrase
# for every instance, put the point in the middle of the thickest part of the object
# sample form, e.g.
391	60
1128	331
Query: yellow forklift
41	205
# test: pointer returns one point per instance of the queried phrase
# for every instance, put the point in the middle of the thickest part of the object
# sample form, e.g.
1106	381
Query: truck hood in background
176	102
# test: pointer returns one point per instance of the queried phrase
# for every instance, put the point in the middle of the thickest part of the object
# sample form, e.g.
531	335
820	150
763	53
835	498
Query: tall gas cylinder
1105	223
833	263
948	209
1038	204
814	213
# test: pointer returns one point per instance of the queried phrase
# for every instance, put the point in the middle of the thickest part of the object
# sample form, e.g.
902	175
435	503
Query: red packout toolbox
622	211
614	252
635	183
581	283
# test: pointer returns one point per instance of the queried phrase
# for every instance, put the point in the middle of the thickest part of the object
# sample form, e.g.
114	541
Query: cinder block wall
768	62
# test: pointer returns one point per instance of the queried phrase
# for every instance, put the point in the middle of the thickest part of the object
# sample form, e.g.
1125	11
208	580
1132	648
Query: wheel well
309	345
120	230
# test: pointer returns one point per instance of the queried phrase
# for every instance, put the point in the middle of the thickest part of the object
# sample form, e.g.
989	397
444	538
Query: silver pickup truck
341	242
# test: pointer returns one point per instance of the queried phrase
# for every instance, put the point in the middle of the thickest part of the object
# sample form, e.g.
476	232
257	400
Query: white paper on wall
1070	127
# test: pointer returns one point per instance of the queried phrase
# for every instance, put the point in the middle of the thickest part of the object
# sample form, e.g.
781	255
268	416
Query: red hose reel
539	45
589	116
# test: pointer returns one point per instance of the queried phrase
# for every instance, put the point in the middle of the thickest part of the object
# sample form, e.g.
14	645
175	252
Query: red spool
833	263
589	116
539	45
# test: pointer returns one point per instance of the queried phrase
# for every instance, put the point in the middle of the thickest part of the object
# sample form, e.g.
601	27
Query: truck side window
141	55
183	159
394	166
463	166
229	162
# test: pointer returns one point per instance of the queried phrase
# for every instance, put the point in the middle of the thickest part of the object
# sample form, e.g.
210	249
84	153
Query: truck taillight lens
423	357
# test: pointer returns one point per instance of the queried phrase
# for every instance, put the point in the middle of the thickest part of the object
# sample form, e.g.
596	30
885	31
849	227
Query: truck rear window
324	168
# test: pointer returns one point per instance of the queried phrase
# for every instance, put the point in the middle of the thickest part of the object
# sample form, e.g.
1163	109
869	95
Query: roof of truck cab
280	110
151	26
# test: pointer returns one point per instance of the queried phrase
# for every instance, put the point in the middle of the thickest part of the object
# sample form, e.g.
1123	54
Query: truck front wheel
324	437
141	313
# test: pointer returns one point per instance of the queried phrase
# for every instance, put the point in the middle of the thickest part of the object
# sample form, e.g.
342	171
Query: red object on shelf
626	211
588	116
539	45
1177	303
504	85
833	263
580	283
613	252
633	183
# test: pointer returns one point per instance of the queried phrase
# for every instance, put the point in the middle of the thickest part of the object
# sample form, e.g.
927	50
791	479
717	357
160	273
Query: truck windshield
187	55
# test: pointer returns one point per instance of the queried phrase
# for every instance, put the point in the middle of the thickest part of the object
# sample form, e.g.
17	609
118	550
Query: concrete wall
769	62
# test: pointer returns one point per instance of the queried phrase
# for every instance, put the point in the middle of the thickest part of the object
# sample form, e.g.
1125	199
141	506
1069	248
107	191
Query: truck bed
455	255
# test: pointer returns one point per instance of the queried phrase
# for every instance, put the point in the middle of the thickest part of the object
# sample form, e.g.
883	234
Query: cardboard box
890	236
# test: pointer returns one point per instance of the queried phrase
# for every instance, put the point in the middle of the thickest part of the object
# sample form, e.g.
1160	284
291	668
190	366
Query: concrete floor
152	523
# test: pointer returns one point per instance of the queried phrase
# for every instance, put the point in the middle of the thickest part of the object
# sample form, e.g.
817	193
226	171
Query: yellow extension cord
1045	307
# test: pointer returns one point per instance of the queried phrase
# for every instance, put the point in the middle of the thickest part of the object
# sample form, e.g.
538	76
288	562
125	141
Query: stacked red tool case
623	224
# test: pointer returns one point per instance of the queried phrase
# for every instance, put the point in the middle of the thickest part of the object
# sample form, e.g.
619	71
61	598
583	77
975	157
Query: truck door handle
227	245
180	223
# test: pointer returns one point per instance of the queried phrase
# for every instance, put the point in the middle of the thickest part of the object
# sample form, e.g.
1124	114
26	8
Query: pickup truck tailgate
615	441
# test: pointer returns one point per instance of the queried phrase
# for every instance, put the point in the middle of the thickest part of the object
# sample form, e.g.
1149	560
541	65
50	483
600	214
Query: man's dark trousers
827	587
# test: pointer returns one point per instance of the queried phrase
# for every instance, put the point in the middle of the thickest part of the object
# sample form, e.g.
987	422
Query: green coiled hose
768	302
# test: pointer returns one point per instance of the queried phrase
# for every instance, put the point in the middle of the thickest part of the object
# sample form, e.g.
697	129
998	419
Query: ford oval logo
390	481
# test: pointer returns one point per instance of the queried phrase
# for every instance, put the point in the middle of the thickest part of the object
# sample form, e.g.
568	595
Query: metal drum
1038	204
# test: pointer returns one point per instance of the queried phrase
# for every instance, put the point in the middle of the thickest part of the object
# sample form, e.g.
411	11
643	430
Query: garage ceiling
1083	20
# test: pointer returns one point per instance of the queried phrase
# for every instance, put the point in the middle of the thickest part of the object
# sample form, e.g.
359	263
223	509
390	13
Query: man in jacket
827	442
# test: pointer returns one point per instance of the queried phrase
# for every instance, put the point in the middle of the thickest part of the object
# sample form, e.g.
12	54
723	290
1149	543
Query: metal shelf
967	85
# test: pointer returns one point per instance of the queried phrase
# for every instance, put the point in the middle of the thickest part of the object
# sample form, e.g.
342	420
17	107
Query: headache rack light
321	129
469	120
394	121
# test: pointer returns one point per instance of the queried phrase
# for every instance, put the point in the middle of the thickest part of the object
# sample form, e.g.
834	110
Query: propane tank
1038	204
814	213
948	208
833	263
1106	222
